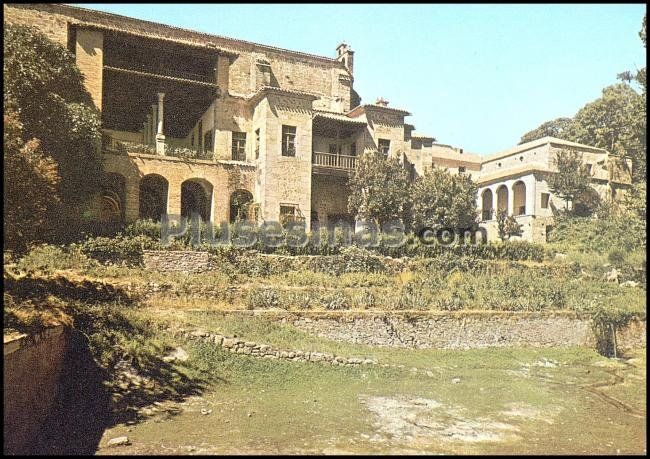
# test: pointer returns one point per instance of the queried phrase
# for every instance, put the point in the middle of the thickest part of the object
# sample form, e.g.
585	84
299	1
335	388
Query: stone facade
428	330
282	127
169	260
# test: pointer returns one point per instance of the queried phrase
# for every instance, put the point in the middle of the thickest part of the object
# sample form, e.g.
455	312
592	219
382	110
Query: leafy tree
635	200
615	122
30	183
443	200
572	177
507	226
46	88
379	188
554	128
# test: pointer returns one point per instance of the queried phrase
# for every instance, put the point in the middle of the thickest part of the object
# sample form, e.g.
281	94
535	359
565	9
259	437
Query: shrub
616	257
149	228
50	258
262	298
128	250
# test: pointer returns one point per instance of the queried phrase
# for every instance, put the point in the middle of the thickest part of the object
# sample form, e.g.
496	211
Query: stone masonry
282	127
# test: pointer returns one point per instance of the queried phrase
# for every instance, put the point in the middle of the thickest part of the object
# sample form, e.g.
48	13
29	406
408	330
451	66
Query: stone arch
153	196
111	198
519	198
502	198
487	209
196	196
240	201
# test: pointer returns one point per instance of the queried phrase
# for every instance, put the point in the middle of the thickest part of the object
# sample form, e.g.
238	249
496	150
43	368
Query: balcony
332	162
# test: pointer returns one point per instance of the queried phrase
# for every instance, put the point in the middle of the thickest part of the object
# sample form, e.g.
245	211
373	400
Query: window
257	143
384	146
192	140
353	149
287	213
239	146
461	169
207	141
416	144
333	149
589	166
545	199
288	141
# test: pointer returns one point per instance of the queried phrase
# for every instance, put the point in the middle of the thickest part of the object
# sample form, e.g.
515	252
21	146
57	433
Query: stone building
233	129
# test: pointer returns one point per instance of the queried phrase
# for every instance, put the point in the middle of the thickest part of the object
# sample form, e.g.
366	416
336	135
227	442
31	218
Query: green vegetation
44	92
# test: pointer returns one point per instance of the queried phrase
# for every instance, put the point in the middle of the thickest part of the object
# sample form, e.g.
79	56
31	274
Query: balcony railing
334	161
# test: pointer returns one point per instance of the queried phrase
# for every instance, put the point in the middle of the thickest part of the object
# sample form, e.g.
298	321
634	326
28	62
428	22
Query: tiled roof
539	142
291	92
337	117
110	21
362	109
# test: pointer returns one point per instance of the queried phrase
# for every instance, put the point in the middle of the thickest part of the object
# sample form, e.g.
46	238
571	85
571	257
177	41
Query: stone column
132	199
152	126
174	196
531	195
511	198
160	137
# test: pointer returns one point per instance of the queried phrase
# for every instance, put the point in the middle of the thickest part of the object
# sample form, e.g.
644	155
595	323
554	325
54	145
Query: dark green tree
45	87
443	200
572	177
507	226
29	187
379	188
554	128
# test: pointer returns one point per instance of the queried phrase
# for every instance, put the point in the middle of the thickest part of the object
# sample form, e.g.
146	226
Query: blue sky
474	76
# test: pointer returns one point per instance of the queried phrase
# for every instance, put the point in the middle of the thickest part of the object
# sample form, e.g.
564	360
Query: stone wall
32	369
453	330
162	260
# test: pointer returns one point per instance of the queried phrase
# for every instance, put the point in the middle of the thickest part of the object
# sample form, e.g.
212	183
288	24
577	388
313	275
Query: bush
262	298
616	257
149	228
627	233
50	258
119	249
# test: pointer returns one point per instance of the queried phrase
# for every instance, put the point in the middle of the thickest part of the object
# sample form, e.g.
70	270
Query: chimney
346	55
381	102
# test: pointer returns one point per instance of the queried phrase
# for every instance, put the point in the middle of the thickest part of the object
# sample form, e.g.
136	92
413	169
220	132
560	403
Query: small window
192	140
288	141
287	213
521	158
545	199
460	151
353	149
239	146
207	141
257	143
333	149
589	167
384	146
498	164
461	169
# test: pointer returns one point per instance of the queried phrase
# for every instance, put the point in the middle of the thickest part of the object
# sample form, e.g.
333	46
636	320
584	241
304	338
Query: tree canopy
30	185
572	177
443	200
379	188
43	85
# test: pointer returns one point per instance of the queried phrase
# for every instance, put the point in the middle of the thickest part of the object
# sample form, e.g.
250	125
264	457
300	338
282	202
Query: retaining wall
32	370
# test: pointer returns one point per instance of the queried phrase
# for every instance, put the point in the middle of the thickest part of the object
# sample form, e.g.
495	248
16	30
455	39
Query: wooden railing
334	161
